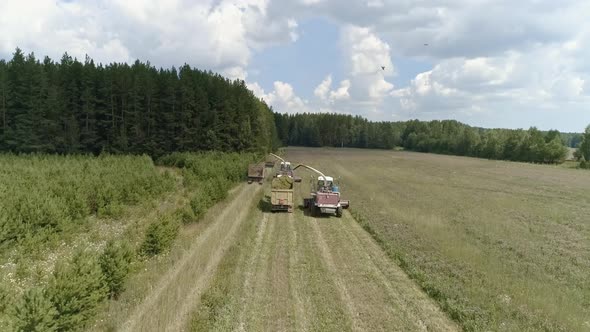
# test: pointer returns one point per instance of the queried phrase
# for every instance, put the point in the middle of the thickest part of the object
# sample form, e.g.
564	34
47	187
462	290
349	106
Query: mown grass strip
218	308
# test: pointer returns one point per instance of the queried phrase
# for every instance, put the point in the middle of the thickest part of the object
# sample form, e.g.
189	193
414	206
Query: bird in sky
383	67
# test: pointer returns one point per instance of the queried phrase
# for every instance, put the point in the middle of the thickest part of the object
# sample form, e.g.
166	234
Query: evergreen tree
583	153
35	312
71	106
115	263
76	290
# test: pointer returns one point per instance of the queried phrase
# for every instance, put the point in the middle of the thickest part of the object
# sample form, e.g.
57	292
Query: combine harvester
326	197
281	193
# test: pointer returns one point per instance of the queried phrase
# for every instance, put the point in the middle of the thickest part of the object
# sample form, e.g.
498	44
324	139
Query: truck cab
285	169
325	184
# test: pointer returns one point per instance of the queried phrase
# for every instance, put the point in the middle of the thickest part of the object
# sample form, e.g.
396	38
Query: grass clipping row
282	182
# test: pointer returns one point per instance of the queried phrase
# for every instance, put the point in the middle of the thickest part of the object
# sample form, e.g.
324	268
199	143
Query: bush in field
42	194
35	312
115	262
209	176
159	236
76	289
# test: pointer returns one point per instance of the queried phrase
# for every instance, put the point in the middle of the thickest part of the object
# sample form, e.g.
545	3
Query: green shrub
159	236
209	176
35	312
76	289
115	262
186	215
42	195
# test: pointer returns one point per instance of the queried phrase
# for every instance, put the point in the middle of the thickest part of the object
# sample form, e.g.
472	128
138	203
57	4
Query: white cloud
256	89
219	35
487	56
342	91
325	93
322	90
369	62
283	98
515	86
367	53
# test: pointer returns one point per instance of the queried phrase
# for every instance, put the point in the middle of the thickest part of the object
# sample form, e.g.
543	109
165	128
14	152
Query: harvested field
292	272
499	245
431	243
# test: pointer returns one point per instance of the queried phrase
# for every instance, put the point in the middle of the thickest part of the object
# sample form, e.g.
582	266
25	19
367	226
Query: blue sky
491	64
303	63
315	54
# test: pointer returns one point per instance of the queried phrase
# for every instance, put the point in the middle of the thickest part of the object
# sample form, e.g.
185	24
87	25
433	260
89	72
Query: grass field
73	228
292	272
431	243
499	245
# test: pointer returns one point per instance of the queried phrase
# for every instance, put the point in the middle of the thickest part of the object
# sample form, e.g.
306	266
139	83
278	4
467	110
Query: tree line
445	137
81	107
583	153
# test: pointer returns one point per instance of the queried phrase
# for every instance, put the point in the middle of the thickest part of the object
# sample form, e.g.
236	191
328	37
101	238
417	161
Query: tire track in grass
250	270
301	323
268	305
377	294
343	291
255	295
322	304
407	296
290	288
167	307
282	314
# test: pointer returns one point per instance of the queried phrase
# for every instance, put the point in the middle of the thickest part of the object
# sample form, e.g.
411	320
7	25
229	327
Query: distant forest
82	107
445	137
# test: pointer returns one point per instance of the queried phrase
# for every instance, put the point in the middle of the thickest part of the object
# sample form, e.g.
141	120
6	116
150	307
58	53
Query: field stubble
292	272
499	245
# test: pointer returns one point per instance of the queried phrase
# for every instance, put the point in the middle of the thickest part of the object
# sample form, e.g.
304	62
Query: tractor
285	169
325	196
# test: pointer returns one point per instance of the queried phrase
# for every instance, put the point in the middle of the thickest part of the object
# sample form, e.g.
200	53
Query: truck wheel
313	210
339	212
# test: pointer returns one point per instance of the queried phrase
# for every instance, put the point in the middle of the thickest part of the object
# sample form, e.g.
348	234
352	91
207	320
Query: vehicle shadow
307	213
264	204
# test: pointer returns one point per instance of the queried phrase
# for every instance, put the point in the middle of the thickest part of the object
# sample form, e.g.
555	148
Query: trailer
256	173
281	193
281	200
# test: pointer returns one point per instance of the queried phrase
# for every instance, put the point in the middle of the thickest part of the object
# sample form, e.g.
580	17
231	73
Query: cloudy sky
488	63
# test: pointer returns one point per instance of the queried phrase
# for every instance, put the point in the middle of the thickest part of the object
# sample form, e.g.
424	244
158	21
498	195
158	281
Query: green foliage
41	194
76	290
585	144
4	299
159	236
208	175
445	137
571	140
115	262
72	107
35	312
554	151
